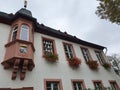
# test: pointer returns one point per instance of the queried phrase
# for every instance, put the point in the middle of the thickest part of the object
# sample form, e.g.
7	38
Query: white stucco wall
45	70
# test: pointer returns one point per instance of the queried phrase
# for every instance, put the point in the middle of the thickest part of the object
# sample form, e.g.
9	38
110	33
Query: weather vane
25	3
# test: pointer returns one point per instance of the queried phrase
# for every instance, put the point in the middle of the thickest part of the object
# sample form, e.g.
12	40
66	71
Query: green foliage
51	57
109	10
106	65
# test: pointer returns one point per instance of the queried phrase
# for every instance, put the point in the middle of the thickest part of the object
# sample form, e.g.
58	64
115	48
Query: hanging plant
107	65
74	62
92	64
50	57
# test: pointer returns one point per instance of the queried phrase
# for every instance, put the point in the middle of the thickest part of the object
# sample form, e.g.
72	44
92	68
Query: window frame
28	32
88	53
114	81
102	61
59	81
78	81
98	81
13	31
54	46
72	49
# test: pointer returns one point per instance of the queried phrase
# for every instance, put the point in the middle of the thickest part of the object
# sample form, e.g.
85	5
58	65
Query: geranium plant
50	57
106	65
74	62
93	64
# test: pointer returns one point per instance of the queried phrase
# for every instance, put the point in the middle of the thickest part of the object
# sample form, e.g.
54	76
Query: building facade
36	57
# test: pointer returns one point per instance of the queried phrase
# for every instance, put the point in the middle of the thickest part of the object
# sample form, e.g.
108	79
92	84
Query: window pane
24	34
52	86
85	54
99	56
113	86
68	51
78	85
98	86
14	33
48	46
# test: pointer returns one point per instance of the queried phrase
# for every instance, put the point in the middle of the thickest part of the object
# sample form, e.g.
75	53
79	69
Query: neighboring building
115	62
27	51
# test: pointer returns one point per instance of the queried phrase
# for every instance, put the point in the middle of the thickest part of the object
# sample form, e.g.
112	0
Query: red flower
74	62
93	64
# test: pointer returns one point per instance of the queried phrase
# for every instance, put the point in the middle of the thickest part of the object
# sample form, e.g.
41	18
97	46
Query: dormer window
24	33
14	33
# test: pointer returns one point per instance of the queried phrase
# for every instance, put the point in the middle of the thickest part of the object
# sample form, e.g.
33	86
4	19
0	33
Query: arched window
24	33
14	33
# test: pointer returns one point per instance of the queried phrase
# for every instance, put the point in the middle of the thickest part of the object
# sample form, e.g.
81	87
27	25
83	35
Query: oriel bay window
86	54
68	50
24	33
100	57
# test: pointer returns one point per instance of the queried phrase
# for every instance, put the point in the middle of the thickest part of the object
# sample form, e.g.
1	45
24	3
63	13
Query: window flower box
107	65
51	57
74	62
92	64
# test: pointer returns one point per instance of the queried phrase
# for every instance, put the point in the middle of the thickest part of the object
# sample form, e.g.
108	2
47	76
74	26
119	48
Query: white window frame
68	51
77	85
52	85
27	32
85	54
13	31
99	57
50	45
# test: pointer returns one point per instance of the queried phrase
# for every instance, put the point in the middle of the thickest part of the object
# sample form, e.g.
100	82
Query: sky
76	17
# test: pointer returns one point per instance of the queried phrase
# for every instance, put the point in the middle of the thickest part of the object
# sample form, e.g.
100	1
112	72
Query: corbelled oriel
20	47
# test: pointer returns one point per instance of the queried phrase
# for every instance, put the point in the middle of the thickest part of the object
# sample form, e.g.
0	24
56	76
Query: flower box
106	65
74	62
51	57
93	64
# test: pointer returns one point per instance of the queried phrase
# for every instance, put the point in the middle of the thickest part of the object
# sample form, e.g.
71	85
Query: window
24	34
68	50
86	54
53	85
14	33
48	46
99	56
114	85
98	85
78	85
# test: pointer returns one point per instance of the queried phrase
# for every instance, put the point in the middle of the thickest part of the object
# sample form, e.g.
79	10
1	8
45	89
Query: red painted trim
78	80
53	80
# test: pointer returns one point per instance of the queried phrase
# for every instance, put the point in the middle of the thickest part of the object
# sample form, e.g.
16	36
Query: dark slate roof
40	28
63	35
25	12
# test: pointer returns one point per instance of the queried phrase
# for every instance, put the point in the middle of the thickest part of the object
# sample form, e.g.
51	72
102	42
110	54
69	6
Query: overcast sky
76	17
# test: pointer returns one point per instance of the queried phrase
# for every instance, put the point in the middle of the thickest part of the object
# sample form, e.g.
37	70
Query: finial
25	3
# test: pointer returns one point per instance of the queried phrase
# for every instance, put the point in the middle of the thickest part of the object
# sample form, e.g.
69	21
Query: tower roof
24	12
